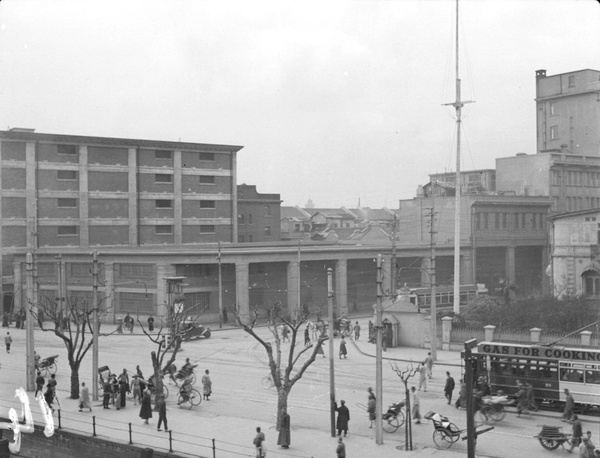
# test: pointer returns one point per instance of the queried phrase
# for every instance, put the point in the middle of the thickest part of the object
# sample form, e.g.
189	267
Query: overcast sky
332	101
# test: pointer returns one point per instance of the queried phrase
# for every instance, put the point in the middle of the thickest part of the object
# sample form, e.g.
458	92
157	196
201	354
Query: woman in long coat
84	398
206	385
146	410
462	395
343	418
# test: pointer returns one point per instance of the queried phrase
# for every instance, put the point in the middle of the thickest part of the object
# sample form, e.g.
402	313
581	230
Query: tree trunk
282	402
75	381
158	380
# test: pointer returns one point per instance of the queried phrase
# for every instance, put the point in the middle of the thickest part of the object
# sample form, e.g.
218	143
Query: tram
549	369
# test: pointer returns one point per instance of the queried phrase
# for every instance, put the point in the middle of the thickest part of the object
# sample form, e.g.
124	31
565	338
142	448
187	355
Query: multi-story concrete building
568	112
85	192
259	215
575	254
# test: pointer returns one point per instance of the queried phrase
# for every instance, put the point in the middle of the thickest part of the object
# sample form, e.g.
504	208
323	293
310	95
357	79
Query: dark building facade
259	215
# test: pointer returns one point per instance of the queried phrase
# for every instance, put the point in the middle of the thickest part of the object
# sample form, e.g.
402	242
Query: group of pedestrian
50	394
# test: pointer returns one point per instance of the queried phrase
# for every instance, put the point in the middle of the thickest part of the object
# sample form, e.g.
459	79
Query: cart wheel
496	415
391	424
207	334
400	418
452	432
195	397
52	368
549	444
442	438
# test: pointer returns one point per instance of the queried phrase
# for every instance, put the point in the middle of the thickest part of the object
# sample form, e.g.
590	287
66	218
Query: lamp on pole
30	360
330	336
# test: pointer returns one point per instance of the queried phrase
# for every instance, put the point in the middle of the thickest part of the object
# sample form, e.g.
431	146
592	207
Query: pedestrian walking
259	443
320	350
107	388
40	381
206	385
384	338
569	405
477	405
306	336
284	439
356	331
136	389
114	388
371	394
576	433
371	332
371	410
343	350
343	418
415	405
84	398
52	383
49	396
8	341
150	324
462	395
146	409
161	406
340	449
423	377
285	332
449	387
590	445
429	365
530	395
521	396
122	394
584	449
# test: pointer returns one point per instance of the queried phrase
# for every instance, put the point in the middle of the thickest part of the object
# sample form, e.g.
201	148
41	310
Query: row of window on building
247	219
159	178
576	178
159	229
521	221
71	202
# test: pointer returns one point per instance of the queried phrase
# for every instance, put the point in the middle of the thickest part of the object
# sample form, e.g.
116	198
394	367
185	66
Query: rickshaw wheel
442	438
400	418
549	444
391	424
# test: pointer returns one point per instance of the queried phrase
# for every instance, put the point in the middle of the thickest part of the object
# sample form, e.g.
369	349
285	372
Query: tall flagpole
457	104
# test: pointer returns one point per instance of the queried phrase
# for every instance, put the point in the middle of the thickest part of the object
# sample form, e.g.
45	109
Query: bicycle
191	398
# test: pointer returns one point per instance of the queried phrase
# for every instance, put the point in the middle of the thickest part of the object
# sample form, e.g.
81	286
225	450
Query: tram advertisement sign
531	351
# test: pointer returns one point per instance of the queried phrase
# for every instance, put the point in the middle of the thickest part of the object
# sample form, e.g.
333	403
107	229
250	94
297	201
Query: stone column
18	286
162	292
341	286
293	275
489	332
177	196
446	332
132	179
84	225
109	291
242	296
31	209
586	338
509	263
535	334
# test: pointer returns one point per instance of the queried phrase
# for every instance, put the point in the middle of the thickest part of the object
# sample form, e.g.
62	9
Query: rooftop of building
25	134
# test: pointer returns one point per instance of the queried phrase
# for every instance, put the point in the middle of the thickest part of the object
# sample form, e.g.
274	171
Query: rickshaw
48	365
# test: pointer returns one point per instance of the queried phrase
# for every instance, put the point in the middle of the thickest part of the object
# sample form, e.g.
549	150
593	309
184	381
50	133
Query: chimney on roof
540	74
22	129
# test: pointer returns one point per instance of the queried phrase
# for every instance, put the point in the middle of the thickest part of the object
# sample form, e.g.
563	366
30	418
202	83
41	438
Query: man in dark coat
284	438
343	418
449	387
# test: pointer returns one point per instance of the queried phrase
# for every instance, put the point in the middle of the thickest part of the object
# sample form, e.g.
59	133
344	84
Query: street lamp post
330	336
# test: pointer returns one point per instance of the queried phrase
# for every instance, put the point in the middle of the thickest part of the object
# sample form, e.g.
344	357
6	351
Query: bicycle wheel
195	397
442	439
183	402
266	382
391	424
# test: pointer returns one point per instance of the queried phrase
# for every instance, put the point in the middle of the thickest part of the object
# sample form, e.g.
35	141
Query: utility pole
299	281
393	267
96	328
433	302
220	288
471	437
330	336
378	357
30	359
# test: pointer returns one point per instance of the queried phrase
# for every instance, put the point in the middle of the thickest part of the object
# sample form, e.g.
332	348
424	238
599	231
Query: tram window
548	371
571	375
592	377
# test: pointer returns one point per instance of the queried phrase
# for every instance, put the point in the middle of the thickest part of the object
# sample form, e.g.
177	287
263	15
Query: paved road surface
237	364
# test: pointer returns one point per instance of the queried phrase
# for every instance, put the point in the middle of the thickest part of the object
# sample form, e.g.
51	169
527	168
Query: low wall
69	444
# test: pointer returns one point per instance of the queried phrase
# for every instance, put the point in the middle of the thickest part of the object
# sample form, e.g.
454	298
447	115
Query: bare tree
71	322
168	340
282	366
405	375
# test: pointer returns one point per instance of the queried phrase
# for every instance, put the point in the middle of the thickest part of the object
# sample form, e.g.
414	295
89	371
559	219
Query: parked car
194	331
